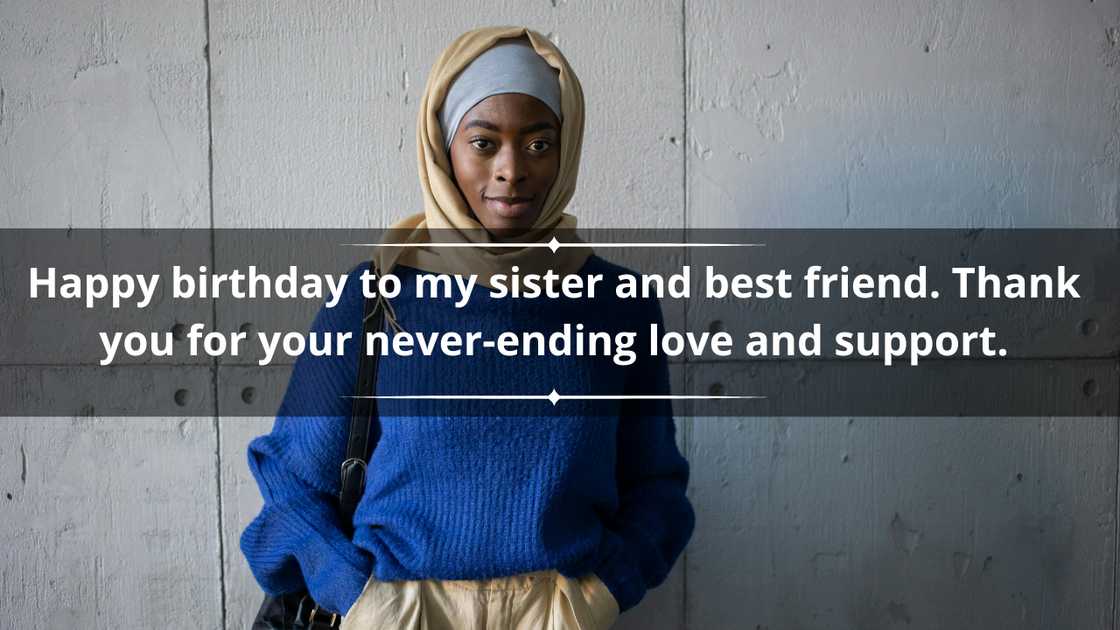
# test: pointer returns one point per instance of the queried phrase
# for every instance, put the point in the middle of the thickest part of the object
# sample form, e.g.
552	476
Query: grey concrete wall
799	113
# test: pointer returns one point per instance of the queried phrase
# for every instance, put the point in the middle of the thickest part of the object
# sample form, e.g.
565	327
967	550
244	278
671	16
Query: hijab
509	66
447	217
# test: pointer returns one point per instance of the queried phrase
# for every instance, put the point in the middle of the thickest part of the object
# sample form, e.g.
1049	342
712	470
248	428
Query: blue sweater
497	489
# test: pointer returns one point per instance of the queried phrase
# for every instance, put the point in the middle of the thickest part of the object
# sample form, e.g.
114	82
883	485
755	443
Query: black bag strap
364	431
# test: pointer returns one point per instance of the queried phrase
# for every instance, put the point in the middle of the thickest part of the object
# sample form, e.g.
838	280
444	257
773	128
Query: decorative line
553	245
555	397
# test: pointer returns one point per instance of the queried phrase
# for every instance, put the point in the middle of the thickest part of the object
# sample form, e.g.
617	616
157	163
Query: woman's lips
509	207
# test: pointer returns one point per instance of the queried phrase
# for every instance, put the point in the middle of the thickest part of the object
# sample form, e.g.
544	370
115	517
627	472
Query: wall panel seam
687	437
214	320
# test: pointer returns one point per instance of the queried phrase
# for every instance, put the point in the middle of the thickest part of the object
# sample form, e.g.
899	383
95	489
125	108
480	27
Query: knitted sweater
497	488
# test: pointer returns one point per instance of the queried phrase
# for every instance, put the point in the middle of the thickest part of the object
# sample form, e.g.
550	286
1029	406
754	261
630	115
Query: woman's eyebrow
485	124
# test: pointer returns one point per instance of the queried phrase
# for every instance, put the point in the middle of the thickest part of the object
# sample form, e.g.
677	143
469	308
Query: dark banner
933	322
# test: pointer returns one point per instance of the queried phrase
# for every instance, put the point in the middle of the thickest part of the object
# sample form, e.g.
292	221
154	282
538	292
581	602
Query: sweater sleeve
655	519
297	540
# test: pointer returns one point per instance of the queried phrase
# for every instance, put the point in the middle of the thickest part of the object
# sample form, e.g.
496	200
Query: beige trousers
542	600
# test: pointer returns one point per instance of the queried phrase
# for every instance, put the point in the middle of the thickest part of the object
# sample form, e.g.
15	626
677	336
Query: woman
522	514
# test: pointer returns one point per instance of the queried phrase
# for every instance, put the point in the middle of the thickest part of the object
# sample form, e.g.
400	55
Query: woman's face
504	158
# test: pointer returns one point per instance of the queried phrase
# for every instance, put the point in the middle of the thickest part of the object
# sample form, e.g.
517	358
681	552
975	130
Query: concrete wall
799	113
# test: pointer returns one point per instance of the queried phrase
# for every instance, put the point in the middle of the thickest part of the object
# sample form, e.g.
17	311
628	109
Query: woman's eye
480	143
540	145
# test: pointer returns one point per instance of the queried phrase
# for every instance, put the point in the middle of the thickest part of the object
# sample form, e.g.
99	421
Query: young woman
500	514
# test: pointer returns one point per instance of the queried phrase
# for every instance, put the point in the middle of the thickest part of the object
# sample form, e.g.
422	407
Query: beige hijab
447	217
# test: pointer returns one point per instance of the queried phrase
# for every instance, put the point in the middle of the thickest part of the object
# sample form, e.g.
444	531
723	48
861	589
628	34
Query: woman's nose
509	166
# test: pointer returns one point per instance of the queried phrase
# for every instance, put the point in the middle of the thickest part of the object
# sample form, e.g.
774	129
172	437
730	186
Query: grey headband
511	65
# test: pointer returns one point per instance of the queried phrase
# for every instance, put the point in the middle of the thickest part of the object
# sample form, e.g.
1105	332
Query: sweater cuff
334	570
345	587
619	572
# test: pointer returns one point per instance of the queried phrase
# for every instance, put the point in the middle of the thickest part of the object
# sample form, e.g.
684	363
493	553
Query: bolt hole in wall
1090	327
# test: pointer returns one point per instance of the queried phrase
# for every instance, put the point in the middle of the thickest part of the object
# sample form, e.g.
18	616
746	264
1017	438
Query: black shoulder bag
298	610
